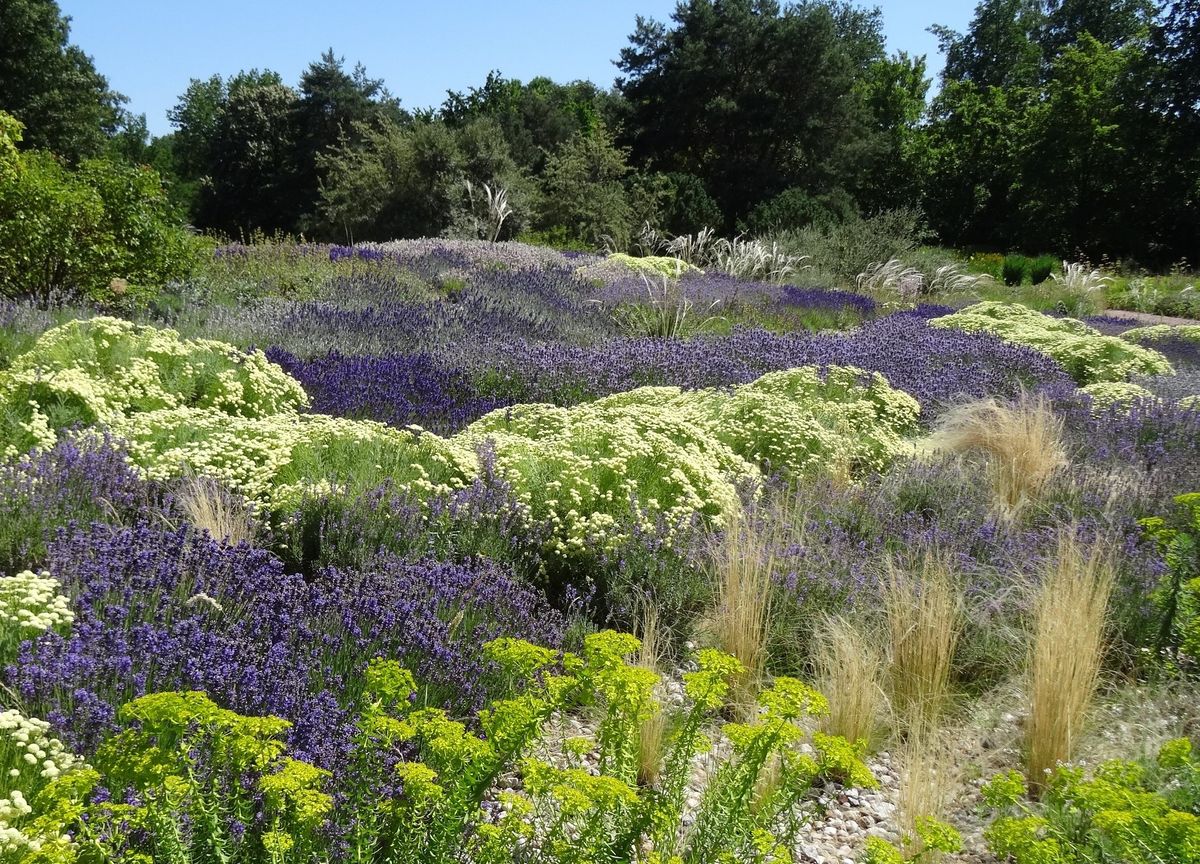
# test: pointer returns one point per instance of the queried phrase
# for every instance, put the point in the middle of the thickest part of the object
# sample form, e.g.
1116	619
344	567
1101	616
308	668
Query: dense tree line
1057	125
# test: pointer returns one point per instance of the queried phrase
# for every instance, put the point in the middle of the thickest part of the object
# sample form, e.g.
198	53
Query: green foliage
196	771
583	190
1041	267
1083	352
1126	811
1014	269
1178	594
562	813
92	231
50	85
988	263
845	249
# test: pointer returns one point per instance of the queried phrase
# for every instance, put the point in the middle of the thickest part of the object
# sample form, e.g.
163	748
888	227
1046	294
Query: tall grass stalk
849	673
652	735
929	775
1023	442
1066	649
923	605
744	564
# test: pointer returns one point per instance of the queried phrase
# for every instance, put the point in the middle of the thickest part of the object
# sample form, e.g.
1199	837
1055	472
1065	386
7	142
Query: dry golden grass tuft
849	672
209	506
1066	650
744	562
1023	442
923	605
652	735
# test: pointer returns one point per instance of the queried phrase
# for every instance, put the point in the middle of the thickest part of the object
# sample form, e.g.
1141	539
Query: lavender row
445	390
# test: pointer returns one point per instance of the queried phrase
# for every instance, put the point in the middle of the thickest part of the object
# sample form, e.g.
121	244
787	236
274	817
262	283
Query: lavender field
441	550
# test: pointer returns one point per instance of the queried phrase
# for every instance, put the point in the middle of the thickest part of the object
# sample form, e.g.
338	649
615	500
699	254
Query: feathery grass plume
1066	649
924	618
849	673
929	775
652	736
1023	442
666	315
744	562
1088	287
209	506
891	277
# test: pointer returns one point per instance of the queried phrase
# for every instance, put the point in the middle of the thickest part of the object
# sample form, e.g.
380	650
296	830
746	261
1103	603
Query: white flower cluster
29	759
32	602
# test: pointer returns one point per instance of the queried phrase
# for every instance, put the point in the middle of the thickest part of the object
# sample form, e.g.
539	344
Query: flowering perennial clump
1086	354
31	603
105	369
1156	332
30	759
664	453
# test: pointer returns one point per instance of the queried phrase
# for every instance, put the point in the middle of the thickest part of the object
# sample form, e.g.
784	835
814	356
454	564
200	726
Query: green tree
67	232
752	97
250	182
333	105
401	181
50	85
583	190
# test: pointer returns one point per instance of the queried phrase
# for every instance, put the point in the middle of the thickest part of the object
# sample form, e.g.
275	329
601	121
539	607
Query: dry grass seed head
849	672
1066	650
1023	442
923	605
209	506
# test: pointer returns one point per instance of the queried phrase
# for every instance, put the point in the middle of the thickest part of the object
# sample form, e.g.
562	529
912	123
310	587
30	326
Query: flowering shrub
662	452
1178	536
619	264
162	610
1082	351
105	369
30	761
1106	393
1157	332
30	603
186	779
1125	811
566	813
281	458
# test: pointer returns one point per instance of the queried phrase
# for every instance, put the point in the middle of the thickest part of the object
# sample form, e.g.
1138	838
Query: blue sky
150	49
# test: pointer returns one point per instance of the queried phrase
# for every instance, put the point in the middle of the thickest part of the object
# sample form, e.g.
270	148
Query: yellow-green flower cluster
1086	354
1155	332
1107	393
619	264
105	369
279	459
30	758
660	453
31	603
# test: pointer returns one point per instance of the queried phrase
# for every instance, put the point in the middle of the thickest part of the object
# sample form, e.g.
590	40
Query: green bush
1041	267
1129	812
1087	355
1178	594
1014	269
795	209
95	231
689	208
